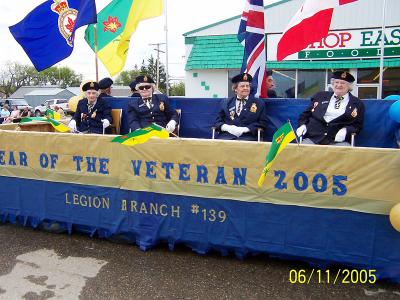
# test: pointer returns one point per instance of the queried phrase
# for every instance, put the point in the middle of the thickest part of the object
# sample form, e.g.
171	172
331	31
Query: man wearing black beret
150	108
240	116
105	87
93	114
332	117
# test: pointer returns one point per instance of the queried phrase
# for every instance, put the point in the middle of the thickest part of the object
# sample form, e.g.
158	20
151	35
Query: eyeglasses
144	87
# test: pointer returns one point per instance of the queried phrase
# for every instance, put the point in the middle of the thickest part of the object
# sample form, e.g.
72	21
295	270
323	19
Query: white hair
97	93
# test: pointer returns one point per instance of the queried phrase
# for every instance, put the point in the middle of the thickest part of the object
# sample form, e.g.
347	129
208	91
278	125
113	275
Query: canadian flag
309	25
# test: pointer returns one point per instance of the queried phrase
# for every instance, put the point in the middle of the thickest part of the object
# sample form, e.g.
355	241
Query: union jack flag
252	36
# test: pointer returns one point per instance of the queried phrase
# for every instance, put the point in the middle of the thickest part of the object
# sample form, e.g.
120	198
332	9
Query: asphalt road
35	264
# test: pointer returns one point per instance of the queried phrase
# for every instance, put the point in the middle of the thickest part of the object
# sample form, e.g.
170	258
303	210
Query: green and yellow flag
142	135
52	114
283	136
60	127
115	25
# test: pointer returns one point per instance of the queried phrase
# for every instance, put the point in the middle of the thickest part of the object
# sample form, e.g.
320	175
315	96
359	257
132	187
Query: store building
214	54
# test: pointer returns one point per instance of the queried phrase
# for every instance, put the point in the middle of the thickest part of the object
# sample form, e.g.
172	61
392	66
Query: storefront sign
363	43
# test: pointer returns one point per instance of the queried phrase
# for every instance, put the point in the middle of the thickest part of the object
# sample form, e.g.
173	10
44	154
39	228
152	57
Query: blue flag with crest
47	33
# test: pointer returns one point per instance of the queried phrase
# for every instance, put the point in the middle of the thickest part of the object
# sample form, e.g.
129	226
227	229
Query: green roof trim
229	19
334	64
225	52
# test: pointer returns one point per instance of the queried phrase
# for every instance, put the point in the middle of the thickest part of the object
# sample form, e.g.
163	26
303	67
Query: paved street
38	265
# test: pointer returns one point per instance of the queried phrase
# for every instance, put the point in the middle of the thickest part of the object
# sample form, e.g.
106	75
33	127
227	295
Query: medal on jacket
354	113
253	108
315	105
232	114
83	117
162	106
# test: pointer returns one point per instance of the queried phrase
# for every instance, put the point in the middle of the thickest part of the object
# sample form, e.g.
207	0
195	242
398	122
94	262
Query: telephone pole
158	62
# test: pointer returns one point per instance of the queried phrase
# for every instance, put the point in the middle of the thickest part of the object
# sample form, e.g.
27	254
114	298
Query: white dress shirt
332	112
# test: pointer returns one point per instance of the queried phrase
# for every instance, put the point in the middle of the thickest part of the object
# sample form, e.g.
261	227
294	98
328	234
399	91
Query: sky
183	16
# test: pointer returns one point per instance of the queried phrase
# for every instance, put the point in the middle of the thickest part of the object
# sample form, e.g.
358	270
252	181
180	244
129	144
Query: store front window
368	76
368	83
310	82
391	82
285	83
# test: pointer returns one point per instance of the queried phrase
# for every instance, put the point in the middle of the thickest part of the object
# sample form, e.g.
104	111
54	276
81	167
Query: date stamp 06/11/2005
339	276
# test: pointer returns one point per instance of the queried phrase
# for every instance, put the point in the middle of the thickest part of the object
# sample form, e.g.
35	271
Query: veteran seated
332	117
241	116
150	107
93	113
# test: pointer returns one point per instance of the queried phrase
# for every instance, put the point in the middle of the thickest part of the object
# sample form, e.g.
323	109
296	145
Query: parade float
321	204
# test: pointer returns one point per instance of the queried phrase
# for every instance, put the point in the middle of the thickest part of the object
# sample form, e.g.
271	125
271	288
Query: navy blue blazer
91	120
319	131
253	116
161	112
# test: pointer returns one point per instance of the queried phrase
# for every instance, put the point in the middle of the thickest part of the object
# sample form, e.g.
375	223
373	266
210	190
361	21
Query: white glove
301	130
341	135
226	127
237	131
171	126
244	129
72	125
105	122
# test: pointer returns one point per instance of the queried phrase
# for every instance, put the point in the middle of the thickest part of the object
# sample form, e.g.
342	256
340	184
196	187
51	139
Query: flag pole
382	49
297	141
166	44
95	53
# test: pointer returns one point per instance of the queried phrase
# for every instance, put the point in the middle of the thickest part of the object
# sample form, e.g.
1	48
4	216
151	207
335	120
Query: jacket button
325	133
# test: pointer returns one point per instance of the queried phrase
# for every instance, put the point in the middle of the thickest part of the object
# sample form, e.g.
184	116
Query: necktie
338	101
90	107
239	109
147	101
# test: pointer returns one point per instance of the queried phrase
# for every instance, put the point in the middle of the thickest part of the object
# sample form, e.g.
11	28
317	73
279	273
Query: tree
151	69
13	75
126	77
177	89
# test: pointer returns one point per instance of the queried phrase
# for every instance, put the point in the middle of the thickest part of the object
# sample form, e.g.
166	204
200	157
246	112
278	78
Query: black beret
343	75
132	85
144	79
244	77
105	83
91	85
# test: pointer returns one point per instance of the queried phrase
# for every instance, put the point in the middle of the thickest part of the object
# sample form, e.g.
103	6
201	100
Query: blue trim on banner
318	236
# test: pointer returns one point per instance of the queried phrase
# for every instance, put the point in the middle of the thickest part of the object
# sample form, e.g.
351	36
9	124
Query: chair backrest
116	123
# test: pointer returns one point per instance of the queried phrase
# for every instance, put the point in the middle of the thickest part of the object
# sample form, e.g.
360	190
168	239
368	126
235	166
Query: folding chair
115	126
